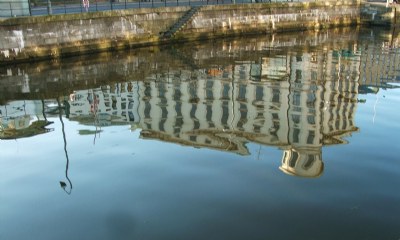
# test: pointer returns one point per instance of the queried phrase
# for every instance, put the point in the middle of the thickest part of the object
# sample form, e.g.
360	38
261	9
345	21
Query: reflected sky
269	137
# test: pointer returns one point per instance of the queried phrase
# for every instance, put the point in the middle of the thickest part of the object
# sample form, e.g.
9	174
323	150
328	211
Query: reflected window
178	109
225	113
293	159
164	113
130	105
314	76
275	95
147	90
209	113
296	118
311	99
148	125
196	124
193	111
161	125
209	94
259	93
161	90
193	91
177	130
296	98
311	137
296	133
147	108
298	76
243	115
311	119
193	138
209	84
309	162
225	91
284	157
276	126
114	102
131	116
177	94
242	92
178	122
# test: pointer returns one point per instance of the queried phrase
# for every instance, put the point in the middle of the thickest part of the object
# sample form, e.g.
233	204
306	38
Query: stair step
181	22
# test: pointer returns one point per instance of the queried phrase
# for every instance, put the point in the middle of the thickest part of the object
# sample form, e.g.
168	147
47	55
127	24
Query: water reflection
219	96
64	186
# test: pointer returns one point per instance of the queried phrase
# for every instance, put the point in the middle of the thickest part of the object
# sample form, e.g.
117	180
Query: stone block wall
32	38
62	35
221	20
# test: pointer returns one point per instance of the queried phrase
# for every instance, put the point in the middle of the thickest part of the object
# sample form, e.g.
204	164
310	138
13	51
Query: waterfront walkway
54	7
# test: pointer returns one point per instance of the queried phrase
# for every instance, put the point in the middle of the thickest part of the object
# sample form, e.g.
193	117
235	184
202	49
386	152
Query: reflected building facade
109	105
295	101
308	103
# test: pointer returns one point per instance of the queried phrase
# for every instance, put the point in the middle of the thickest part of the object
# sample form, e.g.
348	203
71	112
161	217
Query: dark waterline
291	136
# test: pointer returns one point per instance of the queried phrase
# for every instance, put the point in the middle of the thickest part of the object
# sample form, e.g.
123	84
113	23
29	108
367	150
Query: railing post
49	10
11	13
125	4
30	8
152	3
177	3
96	5
65	7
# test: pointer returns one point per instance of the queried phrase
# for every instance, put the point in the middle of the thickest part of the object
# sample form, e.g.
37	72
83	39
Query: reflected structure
303	111
20	119
221	96
311	105
304	163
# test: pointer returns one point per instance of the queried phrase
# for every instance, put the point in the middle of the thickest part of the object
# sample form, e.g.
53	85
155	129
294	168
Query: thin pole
11	9
30	8
65	146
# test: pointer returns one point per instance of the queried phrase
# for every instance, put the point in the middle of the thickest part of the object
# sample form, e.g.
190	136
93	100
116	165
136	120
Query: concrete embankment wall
32	38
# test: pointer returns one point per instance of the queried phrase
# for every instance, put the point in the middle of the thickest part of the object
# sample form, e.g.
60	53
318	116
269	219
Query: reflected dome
302	163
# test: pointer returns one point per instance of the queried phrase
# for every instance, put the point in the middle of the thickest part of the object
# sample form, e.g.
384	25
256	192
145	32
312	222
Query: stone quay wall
55	36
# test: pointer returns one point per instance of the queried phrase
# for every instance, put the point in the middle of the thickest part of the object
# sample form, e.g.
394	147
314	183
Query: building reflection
20	119
304	104
297	101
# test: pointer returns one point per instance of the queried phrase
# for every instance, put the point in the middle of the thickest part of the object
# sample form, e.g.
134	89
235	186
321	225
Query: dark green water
291	136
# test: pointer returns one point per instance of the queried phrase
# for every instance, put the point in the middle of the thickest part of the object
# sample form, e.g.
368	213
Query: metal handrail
50	7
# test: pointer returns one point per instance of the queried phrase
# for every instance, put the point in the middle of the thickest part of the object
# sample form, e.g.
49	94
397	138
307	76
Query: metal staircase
180	23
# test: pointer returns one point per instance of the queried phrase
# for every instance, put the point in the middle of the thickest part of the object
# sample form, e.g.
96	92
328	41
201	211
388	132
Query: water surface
291	136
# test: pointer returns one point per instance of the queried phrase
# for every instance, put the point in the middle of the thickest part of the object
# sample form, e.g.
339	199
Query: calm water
271	137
